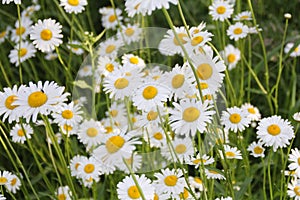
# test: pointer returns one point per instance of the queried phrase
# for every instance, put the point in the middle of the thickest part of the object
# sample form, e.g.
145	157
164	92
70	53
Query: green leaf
82	84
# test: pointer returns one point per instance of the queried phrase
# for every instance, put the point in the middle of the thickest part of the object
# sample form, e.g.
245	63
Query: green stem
5	75
264	179
269	175
19	43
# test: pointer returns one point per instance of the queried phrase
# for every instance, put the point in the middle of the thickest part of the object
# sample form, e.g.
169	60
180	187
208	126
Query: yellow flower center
129	31
180	36
178	81
203	86
155	197
108	129
171	180
21	133
134	60
229	154
86	68
37	99
73	2
121	83
184	194
204	71
9	100
296	49
13	182
190	114
68	127
149	92
198	180
3	180
113	113
245	17
197	40
297	190
77	165
67	114
110	48
231	58
46	34
133	192
109	67
92	132
61	197
298	161
112	18
274	129
152	115
114	143
258	150
238	31
207	97
235	118
20	31
158	136
251	110
180	149
22	52
2	34
221	10
89	168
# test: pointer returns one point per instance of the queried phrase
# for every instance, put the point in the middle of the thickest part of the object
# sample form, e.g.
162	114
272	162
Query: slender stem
19	43
4	74
183	18
264	179
269	175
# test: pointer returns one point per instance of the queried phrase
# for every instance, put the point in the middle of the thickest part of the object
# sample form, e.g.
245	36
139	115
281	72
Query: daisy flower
26	51
133	61
209	71
196	182
231	56
4	34
40	98
74	164
106	65
213	174
50	56
294	189
68	129
198	160
190	116
110	17
275	131
8	1
117	113
76	50
220	10
85	71
294	49
73	6
7	100
130	33
237	31
256	149
22	31
28	11
254	29
235	119
2	197
110	47
169	45
63	192
91	133
294	158
253	112
89	168
170	182
151	117
245	15
183	148
179	80
116	147
14	185
231	152
296	116
5	178
68	114
156	136
132	7
127	188
150	94
18	133
46	35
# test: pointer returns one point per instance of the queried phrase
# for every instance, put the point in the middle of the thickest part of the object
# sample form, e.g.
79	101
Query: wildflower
63	192
4	34
213	174
23	31
156	136
256	149
2	197
46	35
91	133
28	11
231	56
190	116
296	116
294	158
199	160
245	15
183	149
20	133
68	114
128	189
40	98
133	62
149	95
106	65
89	168
74	164
110	47
294	189
275	131
130	33
237	31
169	182
24	52
50	56
73	6
294	49
14	185
235	119
230	152
5	178
76	50
134	162
253	112
110	17
220	10
8	1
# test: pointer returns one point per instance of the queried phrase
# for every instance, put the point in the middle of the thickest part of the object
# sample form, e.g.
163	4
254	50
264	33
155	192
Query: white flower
231	152
231	56
73	6
294	158
294	189
23	31
235	119
220	10
19	135
256	149
23	53
237	31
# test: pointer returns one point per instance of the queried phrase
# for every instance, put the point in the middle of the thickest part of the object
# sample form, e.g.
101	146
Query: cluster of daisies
10	181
